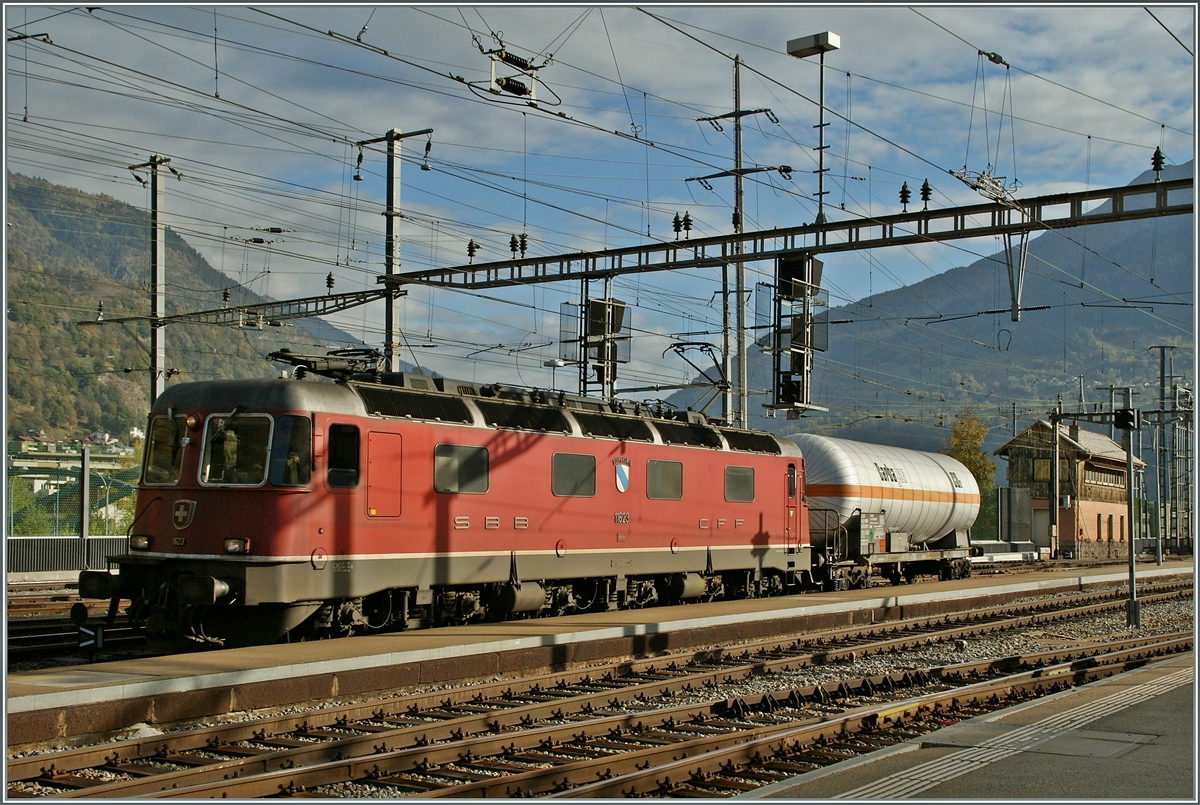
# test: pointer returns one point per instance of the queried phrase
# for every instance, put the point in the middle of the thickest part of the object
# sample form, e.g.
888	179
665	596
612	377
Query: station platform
49	704
1125	738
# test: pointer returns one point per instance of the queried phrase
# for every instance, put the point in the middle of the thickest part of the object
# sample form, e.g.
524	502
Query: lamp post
802	48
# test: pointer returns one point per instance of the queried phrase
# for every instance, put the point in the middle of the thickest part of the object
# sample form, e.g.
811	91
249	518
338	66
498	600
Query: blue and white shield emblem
622	474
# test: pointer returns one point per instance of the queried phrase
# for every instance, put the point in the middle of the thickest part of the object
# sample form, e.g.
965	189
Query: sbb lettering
462	522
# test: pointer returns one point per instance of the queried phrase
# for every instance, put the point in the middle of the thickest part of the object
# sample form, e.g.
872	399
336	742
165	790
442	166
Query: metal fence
44	511
57	554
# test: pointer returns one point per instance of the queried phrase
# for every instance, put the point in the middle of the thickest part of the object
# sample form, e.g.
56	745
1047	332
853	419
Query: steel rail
705	758
733	718
488	719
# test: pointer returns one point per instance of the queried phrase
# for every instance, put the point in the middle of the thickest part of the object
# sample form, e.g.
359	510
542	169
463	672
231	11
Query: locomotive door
792	530
383	474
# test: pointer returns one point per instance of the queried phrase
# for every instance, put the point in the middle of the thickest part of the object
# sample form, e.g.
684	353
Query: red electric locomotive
301	507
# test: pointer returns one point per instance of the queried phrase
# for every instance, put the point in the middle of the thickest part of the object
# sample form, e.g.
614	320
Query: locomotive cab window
164	451
573	475
342	456
291	453
460	468
791	481
739	484
235	450
664	480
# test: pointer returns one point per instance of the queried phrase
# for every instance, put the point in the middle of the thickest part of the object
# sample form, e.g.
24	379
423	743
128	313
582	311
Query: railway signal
91	638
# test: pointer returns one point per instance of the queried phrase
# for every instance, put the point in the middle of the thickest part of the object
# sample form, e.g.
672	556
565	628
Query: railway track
592	732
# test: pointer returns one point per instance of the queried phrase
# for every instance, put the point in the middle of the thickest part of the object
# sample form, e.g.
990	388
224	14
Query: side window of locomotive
164	451
460	468
291	451
573	475
664	480
342	456
235	450
791	475
739	484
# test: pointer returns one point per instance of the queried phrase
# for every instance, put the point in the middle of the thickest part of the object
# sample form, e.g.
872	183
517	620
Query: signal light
905	195
1127	418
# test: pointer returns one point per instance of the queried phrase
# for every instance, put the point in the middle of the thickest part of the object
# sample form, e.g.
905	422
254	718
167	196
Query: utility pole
1162	455
158	287
743	396
1054	479
1133	616
736	415
391	246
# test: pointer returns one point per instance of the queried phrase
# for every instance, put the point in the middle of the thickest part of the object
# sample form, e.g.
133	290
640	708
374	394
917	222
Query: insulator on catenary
472	248
512	244
1158	161
677	225
905	194
687	222
524	244
329	281
225	295
513	59
513	85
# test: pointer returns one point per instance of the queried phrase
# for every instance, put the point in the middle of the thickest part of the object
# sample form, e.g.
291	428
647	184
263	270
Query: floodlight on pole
802	48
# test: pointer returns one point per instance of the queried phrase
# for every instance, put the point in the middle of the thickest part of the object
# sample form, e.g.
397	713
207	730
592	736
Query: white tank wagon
906	512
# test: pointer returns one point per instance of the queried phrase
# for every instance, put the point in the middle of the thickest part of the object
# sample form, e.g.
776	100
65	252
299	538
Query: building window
460	468
1041	469
1104	478
664	480
739	484
573	475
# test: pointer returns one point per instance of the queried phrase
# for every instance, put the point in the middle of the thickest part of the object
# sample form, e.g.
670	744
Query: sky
259	109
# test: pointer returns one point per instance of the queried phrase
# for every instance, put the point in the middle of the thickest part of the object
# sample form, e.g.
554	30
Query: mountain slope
69	251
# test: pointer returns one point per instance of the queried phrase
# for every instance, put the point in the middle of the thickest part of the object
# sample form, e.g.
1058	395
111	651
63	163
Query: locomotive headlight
192	421
237	545
139	543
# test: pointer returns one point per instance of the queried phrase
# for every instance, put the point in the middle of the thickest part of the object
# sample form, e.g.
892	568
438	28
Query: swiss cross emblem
183	513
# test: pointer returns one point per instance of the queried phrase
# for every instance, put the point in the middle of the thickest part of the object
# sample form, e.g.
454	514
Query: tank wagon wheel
859	578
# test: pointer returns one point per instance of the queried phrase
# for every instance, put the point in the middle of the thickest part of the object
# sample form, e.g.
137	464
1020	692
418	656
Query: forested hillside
68	252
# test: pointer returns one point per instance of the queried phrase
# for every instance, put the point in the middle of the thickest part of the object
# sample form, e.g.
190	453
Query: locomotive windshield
291	453
164	450
235	450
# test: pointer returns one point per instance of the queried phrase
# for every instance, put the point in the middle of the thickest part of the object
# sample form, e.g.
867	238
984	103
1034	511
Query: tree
966	445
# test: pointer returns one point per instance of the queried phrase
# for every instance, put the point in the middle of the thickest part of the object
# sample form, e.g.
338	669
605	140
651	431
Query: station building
1092	506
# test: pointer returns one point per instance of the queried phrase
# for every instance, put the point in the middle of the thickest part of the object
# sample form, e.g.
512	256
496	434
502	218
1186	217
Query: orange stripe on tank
888	493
